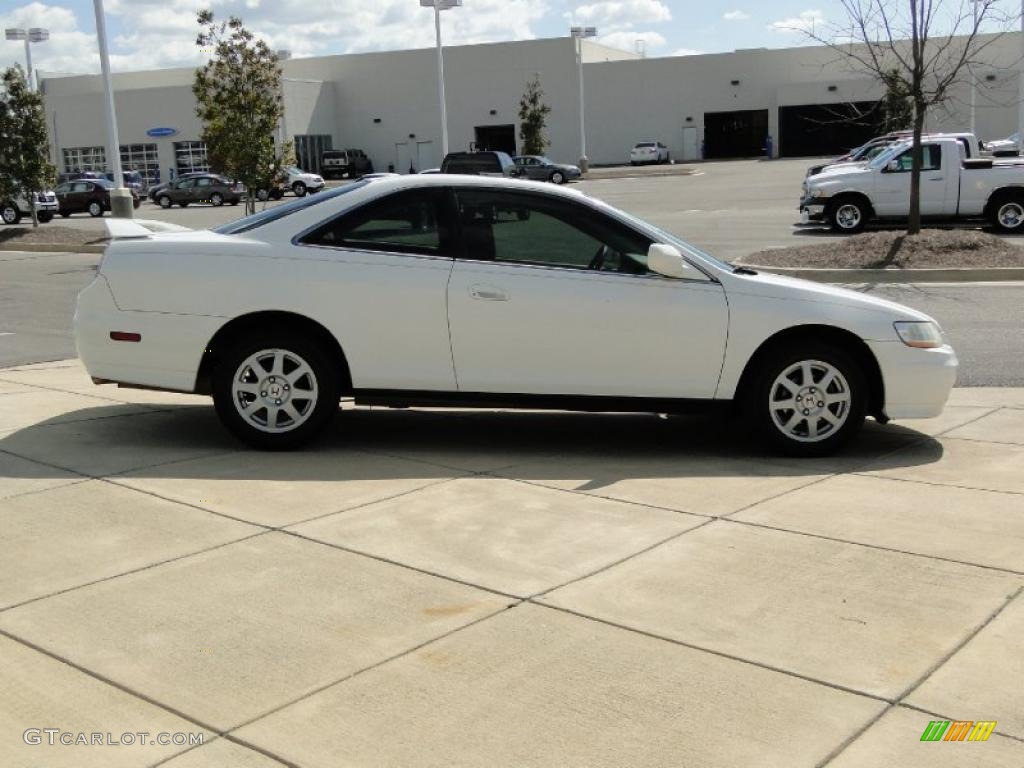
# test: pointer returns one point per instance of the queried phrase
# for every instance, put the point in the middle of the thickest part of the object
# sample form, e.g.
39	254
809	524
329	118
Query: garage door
827	129
735	134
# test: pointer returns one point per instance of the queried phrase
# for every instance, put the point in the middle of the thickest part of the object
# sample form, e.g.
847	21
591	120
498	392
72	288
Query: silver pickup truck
12	210
952	187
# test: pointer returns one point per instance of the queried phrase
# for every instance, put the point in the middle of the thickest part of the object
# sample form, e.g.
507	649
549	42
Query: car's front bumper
812	209
917	381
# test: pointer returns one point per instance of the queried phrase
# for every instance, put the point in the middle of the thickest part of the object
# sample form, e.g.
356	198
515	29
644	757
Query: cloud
620	22
161	33
735	15
626	40
806	23
686	52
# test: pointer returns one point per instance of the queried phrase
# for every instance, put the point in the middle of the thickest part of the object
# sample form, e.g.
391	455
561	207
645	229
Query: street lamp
120	198
1020	88
33	35
438	6
974	77
578	34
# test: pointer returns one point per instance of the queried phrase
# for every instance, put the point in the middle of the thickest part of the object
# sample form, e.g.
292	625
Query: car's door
533	168
384	291
892	191
551	296
201	190
181	192
63	192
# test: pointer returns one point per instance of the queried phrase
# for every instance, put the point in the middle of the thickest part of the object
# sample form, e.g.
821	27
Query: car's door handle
934	178
485	292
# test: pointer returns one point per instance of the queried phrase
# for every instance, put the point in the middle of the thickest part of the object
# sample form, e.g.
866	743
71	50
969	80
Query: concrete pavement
449	588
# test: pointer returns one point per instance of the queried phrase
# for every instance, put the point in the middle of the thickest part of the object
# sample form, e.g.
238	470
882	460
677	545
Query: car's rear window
474	164
248	223
645	145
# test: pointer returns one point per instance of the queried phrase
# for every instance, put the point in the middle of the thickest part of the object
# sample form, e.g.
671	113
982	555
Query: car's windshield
293	169
266	216
881	160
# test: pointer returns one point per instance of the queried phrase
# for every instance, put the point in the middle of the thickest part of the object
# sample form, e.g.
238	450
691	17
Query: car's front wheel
557	177
848	215
299	189
164	201
275	391
95	209
45	218
262	195
217	199
808	399
9	213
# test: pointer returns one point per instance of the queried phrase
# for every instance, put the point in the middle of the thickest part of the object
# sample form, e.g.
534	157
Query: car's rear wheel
95	209
848	215
65	214
557	177
45	218
275	391
164	201
808	399
9	213
299	189
1008	213
217	199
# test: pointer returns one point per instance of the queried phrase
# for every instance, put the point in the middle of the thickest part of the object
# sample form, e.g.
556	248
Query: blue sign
159	132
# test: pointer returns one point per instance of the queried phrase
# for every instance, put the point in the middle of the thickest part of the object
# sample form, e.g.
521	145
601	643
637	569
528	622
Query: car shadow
590	450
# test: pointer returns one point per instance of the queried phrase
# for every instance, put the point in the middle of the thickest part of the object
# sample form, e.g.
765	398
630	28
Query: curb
875	276
630	172
53	247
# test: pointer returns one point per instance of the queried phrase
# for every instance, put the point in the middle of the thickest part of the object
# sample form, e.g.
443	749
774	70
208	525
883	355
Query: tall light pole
974	77
438	6
1020	89
578	34
33	35
120	198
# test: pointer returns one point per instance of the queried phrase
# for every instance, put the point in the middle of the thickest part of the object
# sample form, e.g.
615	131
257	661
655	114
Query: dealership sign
158	132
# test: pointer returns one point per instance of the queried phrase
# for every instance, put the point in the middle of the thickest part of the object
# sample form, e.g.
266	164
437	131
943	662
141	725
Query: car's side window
523	228
184	184
931	158
80	186
414	221
63	189
204	182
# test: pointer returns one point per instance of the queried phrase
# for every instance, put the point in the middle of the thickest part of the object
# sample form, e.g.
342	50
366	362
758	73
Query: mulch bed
49	234
932	248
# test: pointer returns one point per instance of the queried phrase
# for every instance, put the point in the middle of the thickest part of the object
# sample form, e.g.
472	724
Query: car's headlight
919	333
817	192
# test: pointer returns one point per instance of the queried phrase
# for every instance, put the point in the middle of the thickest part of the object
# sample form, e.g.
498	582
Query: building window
78	159
142	158
190	157
309	151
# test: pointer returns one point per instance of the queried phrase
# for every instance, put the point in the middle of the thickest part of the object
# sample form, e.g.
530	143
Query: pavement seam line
712	651
898	701
877	547
936	484
78	393
140	569
68	484
234	740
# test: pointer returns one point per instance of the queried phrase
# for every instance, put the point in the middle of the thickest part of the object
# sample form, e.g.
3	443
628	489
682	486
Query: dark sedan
90	196
540	168
207	188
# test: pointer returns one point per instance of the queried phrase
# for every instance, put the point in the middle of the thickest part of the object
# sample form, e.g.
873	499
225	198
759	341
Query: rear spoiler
121	229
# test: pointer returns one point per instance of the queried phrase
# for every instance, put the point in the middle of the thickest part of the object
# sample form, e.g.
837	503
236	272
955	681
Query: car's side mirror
666	260
893	166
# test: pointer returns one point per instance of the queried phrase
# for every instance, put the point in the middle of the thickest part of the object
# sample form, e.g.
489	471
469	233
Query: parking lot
435	587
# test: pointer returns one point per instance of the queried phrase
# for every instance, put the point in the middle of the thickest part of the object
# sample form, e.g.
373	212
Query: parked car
539	168
481	163
90	196
154	192
647	152
13	209
300	182
1008	147
407	291
953	187
342	163
206	188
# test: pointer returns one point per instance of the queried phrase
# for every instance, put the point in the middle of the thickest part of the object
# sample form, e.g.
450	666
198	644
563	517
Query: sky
148	34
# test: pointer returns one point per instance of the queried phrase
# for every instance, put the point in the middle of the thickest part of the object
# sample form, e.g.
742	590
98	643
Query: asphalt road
729	209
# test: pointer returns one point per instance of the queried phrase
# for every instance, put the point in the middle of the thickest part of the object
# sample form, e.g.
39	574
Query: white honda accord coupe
480	292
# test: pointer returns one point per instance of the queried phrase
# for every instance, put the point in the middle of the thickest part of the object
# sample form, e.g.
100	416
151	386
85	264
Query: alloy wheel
274	390
848	216
809	401
1011	215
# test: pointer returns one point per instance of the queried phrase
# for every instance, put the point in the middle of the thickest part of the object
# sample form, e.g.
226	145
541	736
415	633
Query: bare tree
922	48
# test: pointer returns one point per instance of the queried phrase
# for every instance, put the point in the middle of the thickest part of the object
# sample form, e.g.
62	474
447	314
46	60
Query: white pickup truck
952	187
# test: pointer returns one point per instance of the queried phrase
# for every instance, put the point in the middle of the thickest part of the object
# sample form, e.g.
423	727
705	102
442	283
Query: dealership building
807	100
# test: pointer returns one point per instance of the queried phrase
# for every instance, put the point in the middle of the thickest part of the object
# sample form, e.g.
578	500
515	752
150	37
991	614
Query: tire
262	195
164	201
299	189
217	199
557	177
45	218
237	382
277	194
803	430
1007	213
235	201
95	209
64	214
183	204
848	215
10	214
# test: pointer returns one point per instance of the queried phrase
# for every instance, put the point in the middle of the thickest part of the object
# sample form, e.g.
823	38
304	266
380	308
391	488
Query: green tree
25	168
897	108
533	119
238	100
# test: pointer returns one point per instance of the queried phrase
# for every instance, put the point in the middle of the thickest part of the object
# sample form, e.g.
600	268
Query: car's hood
774	286
841	169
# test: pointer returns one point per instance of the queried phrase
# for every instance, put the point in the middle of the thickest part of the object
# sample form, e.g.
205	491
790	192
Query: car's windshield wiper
744	271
